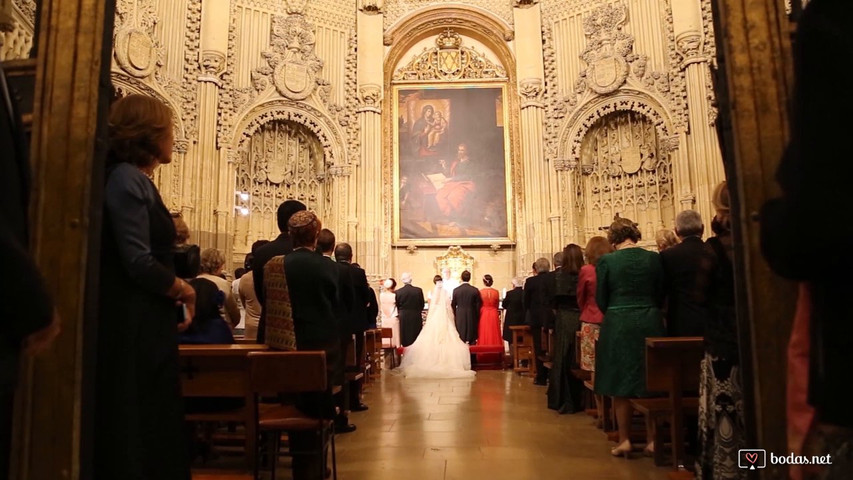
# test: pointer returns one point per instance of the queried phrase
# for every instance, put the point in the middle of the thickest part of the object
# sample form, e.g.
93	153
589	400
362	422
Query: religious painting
451	165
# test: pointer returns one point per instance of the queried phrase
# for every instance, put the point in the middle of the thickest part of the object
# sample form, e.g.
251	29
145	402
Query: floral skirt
589	335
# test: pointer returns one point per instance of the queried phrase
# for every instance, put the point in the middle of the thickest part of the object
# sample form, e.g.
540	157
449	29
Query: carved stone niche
455	260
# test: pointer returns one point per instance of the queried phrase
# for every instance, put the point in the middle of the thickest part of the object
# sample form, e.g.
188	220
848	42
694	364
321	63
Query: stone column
213	195
538	206
372	235
702	163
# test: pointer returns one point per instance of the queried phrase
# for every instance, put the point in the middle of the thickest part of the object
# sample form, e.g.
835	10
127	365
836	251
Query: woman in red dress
489	331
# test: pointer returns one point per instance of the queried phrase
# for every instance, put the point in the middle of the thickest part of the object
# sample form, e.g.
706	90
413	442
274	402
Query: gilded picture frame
452	164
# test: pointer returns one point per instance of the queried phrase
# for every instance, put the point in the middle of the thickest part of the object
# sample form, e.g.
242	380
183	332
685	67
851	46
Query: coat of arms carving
136	51
450	60
607	50
293	64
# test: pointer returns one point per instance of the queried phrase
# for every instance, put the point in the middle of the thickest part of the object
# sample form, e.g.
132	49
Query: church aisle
495	426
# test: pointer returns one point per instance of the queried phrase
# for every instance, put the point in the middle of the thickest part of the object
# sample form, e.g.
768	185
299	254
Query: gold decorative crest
449	60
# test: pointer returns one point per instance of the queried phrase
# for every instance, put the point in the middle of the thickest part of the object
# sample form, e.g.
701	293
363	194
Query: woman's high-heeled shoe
622	450
649	451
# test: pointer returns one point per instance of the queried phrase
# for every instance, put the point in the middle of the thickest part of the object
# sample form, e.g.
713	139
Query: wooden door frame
54	411
753	84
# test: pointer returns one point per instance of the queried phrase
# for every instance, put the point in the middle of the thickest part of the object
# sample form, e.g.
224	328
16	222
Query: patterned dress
630	293
591	316
721	425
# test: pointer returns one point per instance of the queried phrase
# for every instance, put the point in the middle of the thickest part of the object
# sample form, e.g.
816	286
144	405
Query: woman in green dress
630	293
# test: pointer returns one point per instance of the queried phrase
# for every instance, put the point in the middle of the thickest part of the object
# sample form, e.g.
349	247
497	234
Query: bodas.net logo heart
751	458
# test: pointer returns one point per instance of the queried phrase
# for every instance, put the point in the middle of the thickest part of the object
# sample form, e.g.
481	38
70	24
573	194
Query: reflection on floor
493	427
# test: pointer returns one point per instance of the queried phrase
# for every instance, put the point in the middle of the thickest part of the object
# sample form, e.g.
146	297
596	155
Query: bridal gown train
438	352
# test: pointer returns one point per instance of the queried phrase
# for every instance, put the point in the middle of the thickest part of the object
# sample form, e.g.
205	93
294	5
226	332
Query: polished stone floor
495	426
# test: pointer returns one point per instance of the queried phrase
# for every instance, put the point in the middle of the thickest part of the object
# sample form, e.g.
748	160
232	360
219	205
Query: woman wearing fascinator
388	310
630	292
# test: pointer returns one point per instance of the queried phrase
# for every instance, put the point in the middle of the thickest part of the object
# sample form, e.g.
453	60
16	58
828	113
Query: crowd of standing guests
616	294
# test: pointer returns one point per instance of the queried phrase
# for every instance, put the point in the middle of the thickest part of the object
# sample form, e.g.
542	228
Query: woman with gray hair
212	263
538	298
630	292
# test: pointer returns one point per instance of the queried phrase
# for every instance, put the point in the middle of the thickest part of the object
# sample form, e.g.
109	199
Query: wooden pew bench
523	358
219	371
672	368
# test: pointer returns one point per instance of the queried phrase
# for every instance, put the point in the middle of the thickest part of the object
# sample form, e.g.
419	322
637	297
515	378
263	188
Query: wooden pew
522	350
390	352
672	367
220	371
373	349
354	371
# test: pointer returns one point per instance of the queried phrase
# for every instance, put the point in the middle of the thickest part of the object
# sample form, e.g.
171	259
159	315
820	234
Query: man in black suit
29	321
538	299
410	305
372	310
466	305
513	306
343	310
313	284
282	245
688	267
357	316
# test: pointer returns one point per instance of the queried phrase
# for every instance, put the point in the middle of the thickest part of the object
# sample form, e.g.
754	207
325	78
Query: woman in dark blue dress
139	427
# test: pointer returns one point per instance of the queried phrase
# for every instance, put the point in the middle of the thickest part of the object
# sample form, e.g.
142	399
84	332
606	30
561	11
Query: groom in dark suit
410	304
466	305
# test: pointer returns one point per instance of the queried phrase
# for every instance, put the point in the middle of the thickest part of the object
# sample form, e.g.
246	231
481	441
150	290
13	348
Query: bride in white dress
438	352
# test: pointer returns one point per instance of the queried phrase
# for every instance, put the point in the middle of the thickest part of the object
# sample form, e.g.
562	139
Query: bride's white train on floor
438	352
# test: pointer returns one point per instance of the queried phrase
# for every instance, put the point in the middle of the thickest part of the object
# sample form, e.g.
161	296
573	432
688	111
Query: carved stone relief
624	171
449	60
396	9
608	50
370	97
524	3
571	147
17	24
531	90
611	65
456	260
371	7
212	63
136	50
292	72
15	43
282	160
292	64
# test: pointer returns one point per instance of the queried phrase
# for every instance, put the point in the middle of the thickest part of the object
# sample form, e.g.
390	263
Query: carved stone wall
282	159
241	75
140	66
16	28
397	9
624	171
232	72
631	56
